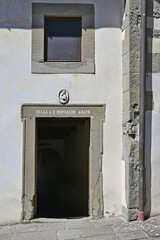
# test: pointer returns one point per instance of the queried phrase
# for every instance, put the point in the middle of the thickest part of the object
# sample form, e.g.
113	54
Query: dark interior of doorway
62	167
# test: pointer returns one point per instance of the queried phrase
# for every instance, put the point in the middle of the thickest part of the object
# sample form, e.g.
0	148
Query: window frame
87	63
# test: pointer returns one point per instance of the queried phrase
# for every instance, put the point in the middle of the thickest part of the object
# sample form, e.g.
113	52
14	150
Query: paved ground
104	229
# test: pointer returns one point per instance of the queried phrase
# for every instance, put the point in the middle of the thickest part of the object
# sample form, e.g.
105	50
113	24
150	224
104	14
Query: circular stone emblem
63	96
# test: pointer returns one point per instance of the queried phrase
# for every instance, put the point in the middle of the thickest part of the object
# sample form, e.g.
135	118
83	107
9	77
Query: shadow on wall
18	13
148	113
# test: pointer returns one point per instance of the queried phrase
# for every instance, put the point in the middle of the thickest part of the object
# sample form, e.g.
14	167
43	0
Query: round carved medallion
63	96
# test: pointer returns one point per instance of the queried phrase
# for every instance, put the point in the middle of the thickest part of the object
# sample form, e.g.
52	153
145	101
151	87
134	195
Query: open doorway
62	160
80	158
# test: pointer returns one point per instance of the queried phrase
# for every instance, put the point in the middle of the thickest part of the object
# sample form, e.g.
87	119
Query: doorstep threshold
57	220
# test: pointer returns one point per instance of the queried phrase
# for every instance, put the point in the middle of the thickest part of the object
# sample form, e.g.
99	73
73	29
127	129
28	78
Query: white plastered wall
153	146
152	143
19	86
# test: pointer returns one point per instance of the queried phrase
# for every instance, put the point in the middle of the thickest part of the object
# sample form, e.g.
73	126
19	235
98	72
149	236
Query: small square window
62	39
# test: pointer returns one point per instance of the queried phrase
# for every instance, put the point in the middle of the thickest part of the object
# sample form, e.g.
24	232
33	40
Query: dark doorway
62	167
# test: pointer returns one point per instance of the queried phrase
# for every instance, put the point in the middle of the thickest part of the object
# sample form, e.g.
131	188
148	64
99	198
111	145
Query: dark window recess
62	39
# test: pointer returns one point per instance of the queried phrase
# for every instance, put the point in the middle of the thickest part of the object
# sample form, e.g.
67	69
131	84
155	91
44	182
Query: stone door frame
29	114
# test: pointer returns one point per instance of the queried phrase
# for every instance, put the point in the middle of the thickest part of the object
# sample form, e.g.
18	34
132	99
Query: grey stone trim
153	33
152	59
130	214
131	90
156	8
135	6
96	113
125	23
125	83
156	33
134	81
63	67
135	62
29	169
127	31
126	63
86	11
153	63
135	32
125	46
153	9
132	180
130	117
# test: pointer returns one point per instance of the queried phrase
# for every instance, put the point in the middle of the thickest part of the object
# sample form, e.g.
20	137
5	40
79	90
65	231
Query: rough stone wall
131	80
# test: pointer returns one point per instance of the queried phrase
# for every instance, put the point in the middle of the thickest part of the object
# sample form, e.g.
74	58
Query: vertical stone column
131	82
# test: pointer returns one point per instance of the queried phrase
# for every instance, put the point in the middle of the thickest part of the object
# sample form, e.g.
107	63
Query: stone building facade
131	45
98	122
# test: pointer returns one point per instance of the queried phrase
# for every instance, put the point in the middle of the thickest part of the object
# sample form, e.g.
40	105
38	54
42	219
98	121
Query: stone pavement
89	229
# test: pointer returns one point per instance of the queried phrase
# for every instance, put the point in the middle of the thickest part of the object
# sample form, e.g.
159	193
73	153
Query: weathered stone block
131	100
131	85
125	61
134	98
156	22
130	147
135	6
125	23
126	101
127	32
135	62
125	46
153	33
126	83
153	63
129	214
134	81
135	39
126	146
153	45
132	184
126	116
156	8
134	155
135	18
